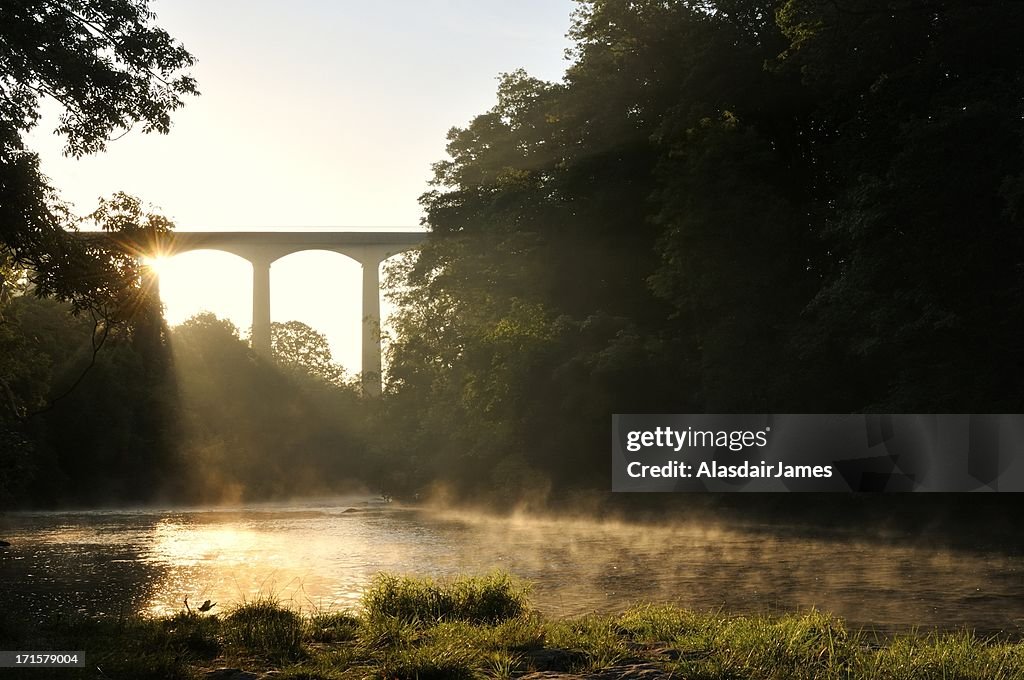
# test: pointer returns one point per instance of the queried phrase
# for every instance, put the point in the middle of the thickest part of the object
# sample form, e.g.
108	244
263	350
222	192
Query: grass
484	599
266	629
483	628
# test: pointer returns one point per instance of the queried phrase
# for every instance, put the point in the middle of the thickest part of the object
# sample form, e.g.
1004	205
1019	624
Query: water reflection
75	564
322	555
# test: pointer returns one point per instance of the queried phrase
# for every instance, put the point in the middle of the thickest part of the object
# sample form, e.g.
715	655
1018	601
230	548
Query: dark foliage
753	206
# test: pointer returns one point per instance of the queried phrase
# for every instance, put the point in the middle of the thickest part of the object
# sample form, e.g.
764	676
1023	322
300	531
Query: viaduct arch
263	248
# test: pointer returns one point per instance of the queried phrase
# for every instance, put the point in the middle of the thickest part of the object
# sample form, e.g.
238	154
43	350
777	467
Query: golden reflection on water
231	559
181	545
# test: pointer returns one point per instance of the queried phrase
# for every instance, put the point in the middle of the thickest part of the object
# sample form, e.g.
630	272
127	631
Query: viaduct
262	248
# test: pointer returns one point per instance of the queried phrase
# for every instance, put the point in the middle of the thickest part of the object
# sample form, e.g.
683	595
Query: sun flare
157	263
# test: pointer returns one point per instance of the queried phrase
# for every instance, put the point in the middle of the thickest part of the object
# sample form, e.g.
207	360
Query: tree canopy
103	61
296	346
109	68
742	205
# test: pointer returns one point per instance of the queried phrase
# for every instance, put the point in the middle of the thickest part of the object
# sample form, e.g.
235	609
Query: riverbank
484	628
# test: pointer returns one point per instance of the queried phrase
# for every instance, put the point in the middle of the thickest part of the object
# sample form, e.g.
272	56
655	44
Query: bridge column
261	305
372	383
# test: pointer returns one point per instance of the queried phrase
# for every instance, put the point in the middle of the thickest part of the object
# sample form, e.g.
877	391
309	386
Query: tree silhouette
297	346
109	68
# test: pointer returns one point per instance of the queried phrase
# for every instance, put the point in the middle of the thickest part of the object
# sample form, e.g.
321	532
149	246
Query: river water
320	555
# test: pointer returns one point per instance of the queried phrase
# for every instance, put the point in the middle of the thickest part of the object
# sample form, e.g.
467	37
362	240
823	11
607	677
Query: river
321	554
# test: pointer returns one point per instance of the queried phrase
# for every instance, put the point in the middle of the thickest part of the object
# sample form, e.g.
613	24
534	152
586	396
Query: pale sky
324	114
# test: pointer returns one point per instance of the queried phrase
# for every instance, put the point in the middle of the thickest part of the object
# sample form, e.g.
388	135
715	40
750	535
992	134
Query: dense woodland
788	207
737	206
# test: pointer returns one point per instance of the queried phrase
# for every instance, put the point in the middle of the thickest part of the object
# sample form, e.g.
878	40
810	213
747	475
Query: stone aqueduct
262	248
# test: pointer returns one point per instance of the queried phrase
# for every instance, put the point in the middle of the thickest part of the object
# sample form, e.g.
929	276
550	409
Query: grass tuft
332	627
481	599
265	628
193	633
432	662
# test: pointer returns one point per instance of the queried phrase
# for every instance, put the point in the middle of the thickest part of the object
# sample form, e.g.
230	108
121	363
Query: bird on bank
205	607
4	544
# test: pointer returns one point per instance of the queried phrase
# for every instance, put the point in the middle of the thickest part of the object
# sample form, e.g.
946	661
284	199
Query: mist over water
320	555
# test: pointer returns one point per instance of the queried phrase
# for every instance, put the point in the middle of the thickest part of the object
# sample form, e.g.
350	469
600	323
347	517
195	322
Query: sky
326	114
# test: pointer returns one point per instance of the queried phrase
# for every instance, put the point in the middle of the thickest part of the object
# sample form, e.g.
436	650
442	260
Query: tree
254	431
298	347
40	345
918	136
731	205
109	68
102	60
